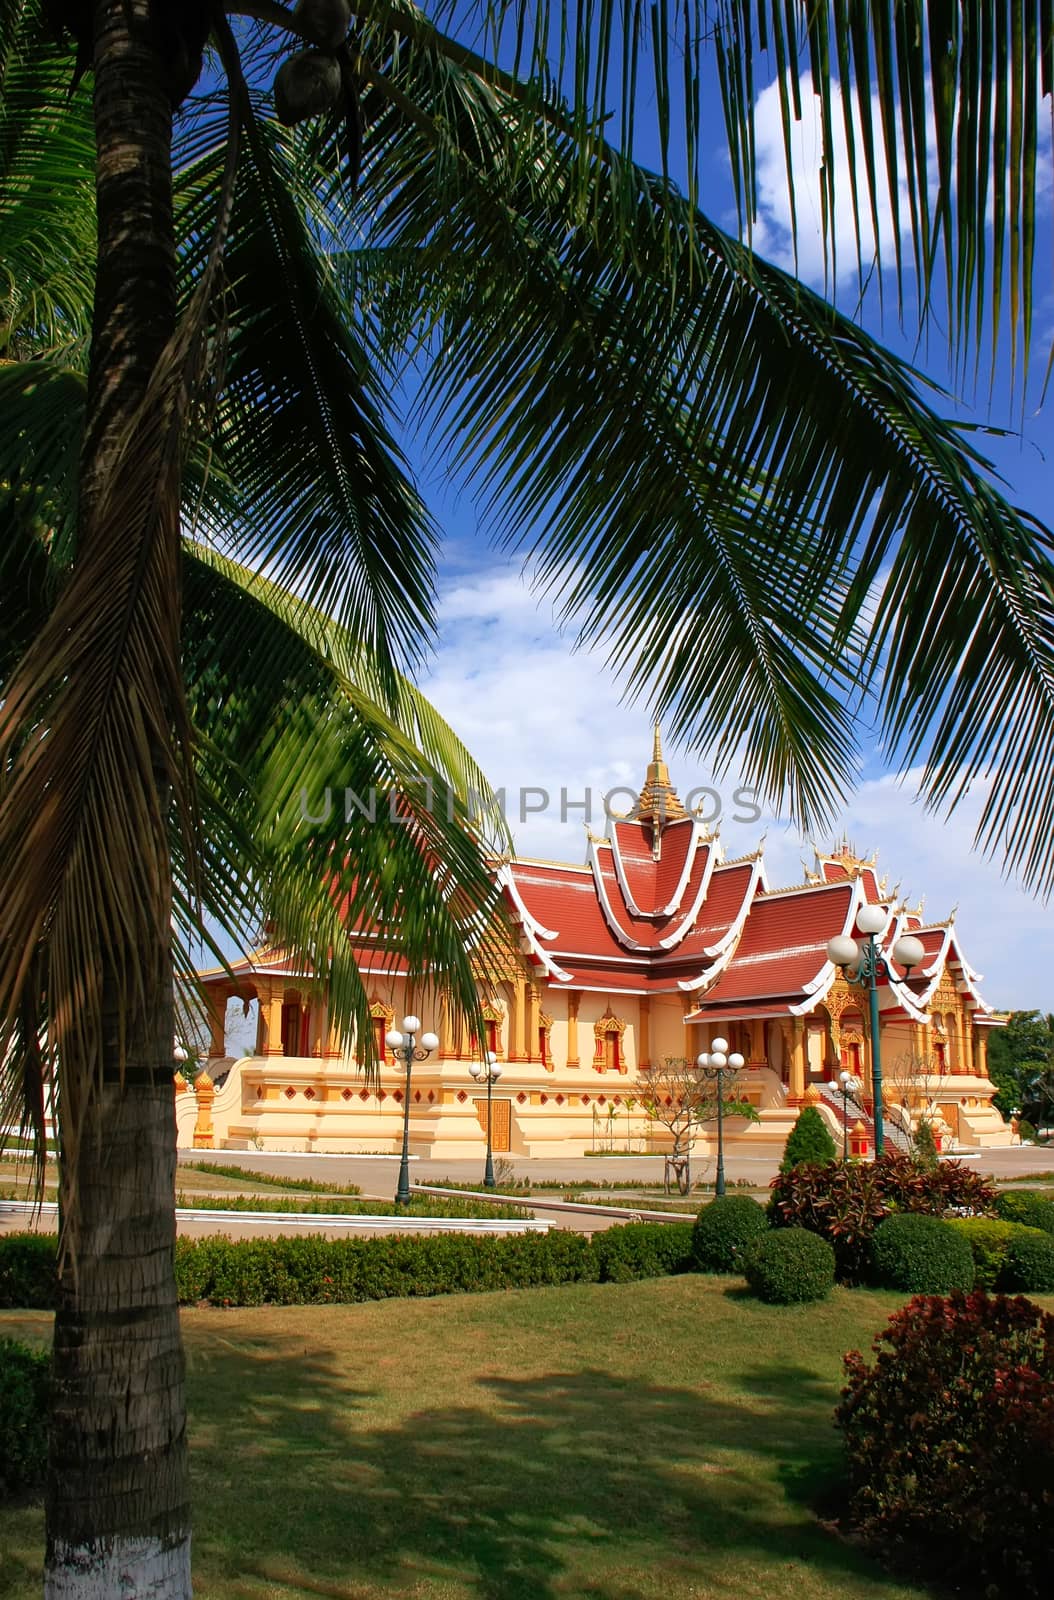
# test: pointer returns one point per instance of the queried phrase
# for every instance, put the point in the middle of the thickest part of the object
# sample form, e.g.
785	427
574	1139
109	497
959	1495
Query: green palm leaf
940	102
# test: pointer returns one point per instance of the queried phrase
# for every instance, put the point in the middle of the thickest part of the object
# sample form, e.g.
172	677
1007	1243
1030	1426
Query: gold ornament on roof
659	802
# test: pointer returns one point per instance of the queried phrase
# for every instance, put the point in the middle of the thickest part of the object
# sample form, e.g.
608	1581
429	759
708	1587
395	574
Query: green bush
788	1266
808	1140
314	1270
924	1147
1030	1206
950	1442
989	1239
27	1271
643	1250
1029	1265
845	1202
24	1381
723	1230
921	1255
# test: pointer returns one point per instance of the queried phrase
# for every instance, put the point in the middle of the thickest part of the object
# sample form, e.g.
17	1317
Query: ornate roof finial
659	802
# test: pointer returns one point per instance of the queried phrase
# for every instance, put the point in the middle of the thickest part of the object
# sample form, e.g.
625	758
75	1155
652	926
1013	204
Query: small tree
924	1147
808	1140
679	1097
916	1078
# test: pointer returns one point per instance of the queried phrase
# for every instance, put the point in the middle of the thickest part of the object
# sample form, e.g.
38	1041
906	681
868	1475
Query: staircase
855	1111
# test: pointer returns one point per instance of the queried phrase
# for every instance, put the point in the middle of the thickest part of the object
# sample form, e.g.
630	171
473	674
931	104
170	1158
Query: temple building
650	949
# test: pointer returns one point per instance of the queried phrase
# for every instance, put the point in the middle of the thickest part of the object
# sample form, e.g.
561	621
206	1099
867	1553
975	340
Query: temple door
501	1110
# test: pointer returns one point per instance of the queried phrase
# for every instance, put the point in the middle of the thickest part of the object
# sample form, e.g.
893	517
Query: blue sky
537	715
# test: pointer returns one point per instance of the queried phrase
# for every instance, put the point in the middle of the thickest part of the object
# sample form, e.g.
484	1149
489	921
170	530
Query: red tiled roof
577	919
783	948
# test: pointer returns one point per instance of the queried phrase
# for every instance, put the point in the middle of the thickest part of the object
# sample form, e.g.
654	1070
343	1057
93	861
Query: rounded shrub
808	1140
949	1435
788	1266
921	1255
1030	1206
1029	1263
24	1380
989	1239
723	1230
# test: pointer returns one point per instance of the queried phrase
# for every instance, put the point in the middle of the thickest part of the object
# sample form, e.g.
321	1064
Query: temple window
382	1020
609	1054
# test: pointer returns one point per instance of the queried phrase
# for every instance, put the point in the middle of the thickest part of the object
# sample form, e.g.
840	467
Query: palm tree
745	493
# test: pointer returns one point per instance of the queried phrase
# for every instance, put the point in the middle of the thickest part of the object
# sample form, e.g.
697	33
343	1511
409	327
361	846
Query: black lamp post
848	1085
404	1048
865	966
714	1064
489	1070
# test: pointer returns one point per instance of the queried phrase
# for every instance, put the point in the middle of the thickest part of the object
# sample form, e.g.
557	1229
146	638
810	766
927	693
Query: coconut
307	83
324	22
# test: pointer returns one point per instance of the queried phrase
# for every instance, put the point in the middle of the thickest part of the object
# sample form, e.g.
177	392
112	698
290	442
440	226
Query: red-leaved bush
950	1441
845	1201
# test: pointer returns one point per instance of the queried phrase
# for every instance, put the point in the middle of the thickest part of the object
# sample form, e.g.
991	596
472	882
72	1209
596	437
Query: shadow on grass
573	1483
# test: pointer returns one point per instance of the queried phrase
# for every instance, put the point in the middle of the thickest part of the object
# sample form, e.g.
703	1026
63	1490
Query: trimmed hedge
643	1250
1029	1265
1030	1206
789	1266
313	1270
989	1239
25	1376
921	1255
27	1272
723	1230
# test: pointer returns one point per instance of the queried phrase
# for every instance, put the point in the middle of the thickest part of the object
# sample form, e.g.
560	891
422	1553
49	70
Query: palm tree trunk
117	1502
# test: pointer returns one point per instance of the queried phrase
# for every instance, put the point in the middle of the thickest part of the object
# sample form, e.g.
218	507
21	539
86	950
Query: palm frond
47	193
298	386
713	467
939	103
326	808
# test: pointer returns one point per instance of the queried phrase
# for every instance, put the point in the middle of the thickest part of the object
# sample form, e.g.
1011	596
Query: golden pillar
518	1021
644	1033
271	1010
797	1061
534	1012
981	1052
216	1003
572	1030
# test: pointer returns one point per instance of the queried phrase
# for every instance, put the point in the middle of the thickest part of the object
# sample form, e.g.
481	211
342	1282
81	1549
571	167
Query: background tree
808	1140
1021	1063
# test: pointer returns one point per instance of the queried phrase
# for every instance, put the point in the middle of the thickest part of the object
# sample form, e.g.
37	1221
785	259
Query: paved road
377	1175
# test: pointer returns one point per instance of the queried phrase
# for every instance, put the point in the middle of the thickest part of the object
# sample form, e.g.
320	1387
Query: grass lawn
644	1441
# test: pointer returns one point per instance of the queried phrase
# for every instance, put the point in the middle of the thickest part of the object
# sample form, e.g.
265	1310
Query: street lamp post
404	1048
848	1085
489	1069
864	965
714	1064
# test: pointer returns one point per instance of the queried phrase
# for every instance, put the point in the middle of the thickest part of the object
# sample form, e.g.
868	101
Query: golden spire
659	802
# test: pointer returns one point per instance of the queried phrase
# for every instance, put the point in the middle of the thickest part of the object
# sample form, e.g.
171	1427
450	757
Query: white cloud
773	236
537	715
